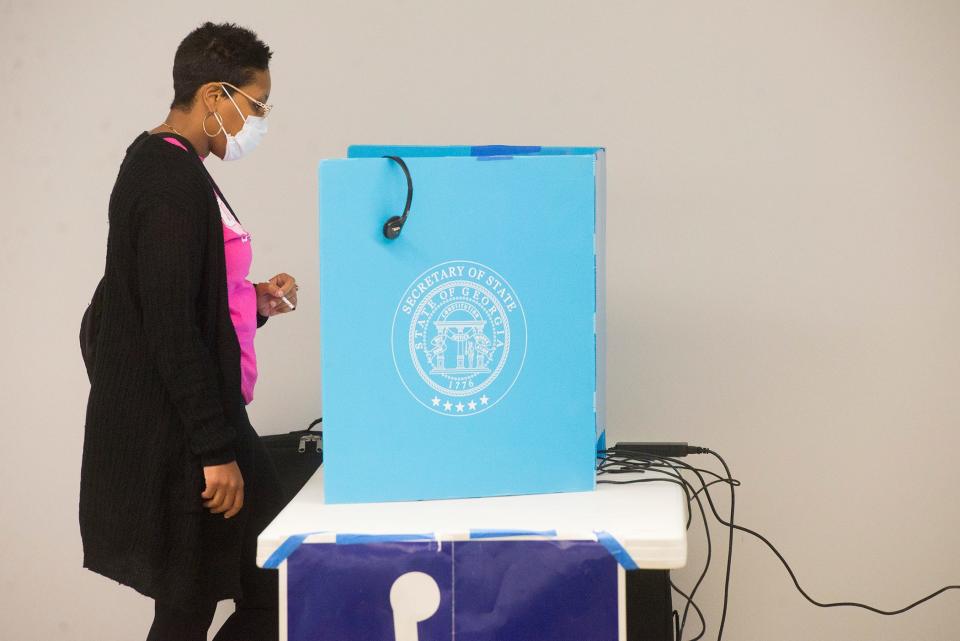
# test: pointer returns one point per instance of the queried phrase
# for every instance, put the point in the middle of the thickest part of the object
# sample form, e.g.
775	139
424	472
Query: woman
175	483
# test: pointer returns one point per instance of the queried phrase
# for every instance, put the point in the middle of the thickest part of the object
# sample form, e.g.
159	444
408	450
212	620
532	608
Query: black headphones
394	224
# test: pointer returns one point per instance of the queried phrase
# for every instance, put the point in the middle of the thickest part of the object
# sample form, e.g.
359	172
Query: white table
647	520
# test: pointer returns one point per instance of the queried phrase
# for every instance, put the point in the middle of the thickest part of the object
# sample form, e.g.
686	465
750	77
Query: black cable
679	480
713	508
394	224
852	604
703	621
649	465
796	583
650	480
733	482
649	461
627	466
655	466
726	580
793	577
681	449
706	566
406	174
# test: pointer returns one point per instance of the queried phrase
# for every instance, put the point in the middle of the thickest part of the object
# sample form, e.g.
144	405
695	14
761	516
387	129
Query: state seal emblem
459	338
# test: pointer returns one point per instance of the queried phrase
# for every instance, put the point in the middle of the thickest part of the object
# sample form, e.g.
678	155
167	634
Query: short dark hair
216	52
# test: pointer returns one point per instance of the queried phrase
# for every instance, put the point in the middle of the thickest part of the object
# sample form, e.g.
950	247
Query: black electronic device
394	224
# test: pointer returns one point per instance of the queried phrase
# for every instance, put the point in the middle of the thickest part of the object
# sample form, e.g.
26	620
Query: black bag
296	455
90	328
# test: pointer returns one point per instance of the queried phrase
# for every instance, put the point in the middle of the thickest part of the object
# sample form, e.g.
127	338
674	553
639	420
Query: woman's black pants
255	617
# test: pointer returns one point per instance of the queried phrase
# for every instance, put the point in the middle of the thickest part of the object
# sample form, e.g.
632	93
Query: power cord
677	627
632	458
619	465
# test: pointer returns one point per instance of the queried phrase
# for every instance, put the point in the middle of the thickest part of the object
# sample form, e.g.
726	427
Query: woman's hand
224	489
270	295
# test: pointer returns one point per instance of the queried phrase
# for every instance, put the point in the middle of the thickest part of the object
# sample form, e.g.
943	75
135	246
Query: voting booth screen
466	357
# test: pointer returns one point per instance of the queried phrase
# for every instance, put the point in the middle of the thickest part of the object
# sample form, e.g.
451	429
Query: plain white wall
784	256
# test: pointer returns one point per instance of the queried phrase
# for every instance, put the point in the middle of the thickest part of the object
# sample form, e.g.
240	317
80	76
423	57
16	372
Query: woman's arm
170	243
271	294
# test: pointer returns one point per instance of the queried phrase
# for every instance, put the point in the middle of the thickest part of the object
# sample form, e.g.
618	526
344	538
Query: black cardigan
164	365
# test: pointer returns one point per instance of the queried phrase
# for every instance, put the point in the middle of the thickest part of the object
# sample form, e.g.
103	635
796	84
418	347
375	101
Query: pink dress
241	294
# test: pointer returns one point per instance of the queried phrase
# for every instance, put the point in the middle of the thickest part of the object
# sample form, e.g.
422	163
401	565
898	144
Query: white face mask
249	136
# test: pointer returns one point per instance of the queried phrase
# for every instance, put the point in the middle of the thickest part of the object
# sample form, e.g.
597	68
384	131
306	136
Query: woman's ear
209	95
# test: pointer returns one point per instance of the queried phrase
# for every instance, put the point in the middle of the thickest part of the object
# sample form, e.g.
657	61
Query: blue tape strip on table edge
615	549
285	549
294	541
355	539
490	534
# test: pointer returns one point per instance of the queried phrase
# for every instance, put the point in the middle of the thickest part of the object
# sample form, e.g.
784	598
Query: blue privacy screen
465	357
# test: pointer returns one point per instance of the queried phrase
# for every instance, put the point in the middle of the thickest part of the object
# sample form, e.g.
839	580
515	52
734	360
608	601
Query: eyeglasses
263	107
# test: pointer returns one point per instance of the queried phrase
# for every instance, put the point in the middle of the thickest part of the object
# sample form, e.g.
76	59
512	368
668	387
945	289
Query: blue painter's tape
294	541
454	151
354	539
503	150
407	151
615	549
491	534
285	549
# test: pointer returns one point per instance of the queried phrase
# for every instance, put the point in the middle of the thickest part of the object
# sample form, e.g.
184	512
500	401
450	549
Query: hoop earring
219	122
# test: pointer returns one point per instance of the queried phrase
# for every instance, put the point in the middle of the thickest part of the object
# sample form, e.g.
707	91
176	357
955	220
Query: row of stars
472	404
